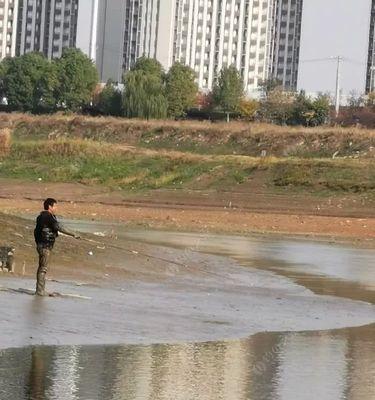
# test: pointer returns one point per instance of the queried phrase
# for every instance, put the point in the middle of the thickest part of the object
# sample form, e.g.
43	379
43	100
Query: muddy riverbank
162	288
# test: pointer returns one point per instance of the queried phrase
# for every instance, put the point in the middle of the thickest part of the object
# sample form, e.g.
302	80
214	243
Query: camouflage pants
44	257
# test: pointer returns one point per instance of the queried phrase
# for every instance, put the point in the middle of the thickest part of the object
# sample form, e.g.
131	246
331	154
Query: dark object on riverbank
7	258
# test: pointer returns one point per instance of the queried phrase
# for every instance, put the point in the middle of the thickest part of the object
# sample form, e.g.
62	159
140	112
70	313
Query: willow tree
144	92
149	65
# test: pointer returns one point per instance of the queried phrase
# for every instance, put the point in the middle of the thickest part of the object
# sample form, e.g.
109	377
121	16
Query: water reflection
346	263
335	365
328	269
279	366
337	261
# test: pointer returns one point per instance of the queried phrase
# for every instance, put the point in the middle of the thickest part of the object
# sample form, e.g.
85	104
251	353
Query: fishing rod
145	255
133	252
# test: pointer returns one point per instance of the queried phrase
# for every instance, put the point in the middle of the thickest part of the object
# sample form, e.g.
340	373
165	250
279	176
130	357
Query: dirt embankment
139	155
236	213
121	180
204	137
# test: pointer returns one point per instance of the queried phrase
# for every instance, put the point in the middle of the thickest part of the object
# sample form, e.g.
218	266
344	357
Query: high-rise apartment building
213	34
47	26
370	73
110	39
259	37
129	29
287	19
8	27
204	34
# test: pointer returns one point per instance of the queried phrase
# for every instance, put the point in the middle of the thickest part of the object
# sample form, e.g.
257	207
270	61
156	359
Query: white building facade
129	29
212	34
8	28
207	35
46	26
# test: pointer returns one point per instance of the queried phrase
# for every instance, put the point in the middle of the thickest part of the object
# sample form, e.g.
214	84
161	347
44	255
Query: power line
351	61
339	60
334	58
318	60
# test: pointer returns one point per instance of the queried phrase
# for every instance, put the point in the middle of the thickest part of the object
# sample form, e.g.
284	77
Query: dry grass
58	120
5	136
67	148
91	148
238	138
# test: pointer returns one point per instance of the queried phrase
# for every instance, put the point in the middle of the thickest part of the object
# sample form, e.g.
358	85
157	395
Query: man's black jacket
47	229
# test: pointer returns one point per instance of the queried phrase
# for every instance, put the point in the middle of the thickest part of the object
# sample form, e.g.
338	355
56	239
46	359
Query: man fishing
46	231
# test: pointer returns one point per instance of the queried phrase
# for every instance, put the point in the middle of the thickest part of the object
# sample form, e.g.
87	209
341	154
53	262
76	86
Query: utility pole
372	69
338	81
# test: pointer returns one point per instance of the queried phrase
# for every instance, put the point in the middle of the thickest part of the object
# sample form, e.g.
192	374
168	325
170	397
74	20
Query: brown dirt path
227	212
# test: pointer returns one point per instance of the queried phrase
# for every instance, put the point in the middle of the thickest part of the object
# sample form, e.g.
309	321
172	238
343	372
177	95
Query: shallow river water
321	365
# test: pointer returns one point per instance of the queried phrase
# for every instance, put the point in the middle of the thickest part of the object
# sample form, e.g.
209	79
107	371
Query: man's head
50	205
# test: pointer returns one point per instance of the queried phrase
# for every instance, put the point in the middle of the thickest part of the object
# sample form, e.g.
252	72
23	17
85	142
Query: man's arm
58	227
61	228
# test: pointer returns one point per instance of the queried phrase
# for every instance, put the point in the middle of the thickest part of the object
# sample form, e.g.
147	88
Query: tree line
32	83
149	92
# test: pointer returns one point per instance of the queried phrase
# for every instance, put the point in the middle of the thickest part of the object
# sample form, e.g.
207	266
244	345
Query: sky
331	28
